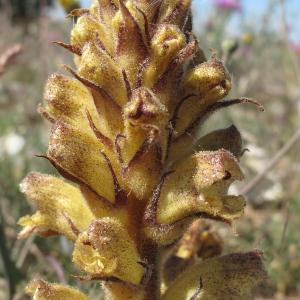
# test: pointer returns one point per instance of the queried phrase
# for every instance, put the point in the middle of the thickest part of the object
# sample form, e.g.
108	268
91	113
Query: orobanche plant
124	137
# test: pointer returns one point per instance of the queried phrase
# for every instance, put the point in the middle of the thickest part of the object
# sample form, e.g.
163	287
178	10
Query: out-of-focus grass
263	67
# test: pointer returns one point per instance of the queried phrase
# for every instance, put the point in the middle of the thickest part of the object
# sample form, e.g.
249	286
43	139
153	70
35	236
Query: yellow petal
79	156
197	187
98	67
42	290
88	29
69	100
166	87
209	82
165	44
104	10
106	250
227	277
199	184
61	206
199	241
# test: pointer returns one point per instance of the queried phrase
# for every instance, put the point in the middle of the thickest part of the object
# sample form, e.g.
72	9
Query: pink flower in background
228	5
294	47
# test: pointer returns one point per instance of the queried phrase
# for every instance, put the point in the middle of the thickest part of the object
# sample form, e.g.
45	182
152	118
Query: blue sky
252	11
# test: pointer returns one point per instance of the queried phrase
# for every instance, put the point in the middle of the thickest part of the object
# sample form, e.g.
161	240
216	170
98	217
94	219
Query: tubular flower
136	173
41	290
199	241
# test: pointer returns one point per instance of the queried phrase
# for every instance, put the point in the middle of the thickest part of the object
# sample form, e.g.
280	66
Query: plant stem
153	286
12	273
291	142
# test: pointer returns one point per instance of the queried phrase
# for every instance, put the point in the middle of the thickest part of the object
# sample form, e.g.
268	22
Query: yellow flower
226	277
125	138
41	290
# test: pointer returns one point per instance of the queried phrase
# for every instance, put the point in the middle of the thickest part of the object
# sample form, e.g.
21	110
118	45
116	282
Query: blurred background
259	40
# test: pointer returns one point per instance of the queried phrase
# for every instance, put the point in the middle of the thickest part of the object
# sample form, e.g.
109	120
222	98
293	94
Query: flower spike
140	184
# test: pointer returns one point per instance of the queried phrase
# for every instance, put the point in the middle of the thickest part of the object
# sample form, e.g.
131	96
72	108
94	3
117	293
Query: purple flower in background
228	5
